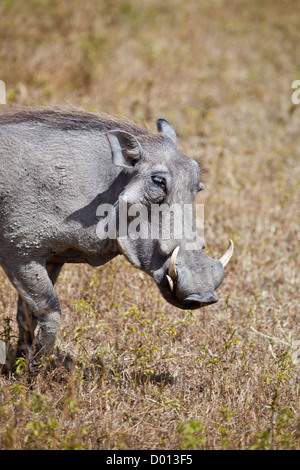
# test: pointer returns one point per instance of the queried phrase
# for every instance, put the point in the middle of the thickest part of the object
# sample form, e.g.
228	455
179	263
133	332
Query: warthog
58	167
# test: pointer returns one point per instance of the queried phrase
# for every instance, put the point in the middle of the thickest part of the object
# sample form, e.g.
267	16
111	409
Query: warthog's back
69	120
54	150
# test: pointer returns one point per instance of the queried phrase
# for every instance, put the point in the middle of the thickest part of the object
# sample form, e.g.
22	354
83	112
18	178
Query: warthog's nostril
209	298
195	301
192	301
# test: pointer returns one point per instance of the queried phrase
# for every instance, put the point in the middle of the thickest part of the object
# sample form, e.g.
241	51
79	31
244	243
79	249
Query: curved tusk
171	283
172	269
228	254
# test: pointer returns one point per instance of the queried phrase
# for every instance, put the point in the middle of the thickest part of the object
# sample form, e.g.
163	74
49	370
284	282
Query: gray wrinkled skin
57	167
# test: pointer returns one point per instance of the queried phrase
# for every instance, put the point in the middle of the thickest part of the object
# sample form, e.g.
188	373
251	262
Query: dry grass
226	377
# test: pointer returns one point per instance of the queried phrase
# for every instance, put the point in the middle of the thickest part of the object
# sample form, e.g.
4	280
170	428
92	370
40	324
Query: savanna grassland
224	377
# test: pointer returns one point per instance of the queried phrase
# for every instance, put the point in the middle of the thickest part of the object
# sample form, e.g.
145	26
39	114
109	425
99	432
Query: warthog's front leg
39	304
27	325
25	318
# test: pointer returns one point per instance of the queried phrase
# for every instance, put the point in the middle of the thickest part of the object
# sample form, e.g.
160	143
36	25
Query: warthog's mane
66	118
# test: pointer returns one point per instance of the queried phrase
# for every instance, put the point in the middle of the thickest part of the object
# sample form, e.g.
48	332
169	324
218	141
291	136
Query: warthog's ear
166	128
125	148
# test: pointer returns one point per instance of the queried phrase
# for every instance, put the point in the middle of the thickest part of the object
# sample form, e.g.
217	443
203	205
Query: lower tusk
172	269
171	283
227	255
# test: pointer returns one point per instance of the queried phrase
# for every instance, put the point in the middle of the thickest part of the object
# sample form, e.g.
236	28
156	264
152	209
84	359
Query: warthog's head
157	198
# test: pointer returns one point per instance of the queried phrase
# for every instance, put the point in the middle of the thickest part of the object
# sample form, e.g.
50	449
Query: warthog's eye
159	181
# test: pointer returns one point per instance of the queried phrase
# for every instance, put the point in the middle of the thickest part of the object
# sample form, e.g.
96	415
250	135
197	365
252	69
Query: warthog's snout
193	301
193	278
